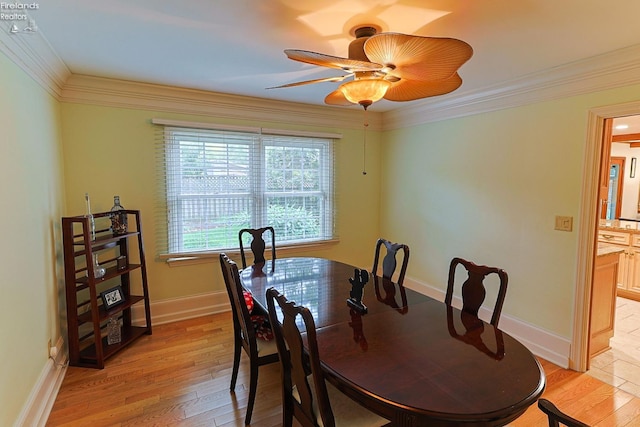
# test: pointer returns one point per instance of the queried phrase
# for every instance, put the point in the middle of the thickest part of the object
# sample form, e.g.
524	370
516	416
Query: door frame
588	227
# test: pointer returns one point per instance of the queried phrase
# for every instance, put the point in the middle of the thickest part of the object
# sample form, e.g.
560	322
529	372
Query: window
217	182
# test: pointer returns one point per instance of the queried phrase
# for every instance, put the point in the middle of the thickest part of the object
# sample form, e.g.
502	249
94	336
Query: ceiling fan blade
417	57
331	61
409	90
337	98
307	82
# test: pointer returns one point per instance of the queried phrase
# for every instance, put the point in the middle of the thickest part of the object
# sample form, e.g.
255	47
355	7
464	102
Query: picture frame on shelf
112	297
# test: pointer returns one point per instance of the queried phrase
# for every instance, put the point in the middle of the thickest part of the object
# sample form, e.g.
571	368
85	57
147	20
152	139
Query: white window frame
261	140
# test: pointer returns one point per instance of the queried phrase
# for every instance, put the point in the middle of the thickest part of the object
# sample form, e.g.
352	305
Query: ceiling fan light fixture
394	66
365	91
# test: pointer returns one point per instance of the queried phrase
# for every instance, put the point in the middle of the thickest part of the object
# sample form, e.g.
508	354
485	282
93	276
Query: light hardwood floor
179	376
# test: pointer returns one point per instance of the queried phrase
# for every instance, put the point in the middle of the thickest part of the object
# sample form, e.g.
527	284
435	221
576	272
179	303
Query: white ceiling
236	46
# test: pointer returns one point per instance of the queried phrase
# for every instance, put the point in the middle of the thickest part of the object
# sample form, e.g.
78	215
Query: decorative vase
114	332
118	217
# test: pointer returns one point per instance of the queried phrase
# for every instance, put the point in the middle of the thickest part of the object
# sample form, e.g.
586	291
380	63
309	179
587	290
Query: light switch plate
564	223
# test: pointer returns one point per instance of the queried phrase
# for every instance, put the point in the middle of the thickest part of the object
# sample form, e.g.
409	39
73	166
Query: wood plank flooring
180	375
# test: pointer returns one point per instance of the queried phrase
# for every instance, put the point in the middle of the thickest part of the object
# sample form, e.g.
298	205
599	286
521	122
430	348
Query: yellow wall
32	195
487	188
111	151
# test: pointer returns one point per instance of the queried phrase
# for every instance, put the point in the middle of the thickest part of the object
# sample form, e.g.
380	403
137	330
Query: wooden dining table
410	358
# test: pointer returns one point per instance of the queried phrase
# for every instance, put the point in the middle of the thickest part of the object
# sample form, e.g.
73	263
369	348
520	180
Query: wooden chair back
473	289
258	244
389	262
557	417
311	399
244	334
243	327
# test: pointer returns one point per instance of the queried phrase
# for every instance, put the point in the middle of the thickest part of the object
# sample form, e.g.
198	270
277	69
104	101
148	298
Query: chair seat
266	347
347	412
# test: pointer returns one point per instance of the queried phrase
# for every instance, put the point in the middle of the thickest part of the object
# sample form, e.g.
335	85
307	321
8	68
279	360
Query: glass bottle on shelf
118	217
92	222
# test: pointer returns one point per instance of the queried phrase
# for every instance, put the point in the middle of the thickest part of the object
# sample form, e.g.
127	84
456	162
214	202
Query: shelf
86	315
101	242
83	282
105	314
89	358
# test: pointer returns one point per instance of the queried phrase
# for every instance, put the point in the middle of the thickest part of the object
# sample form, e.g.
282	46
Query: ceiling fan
393	66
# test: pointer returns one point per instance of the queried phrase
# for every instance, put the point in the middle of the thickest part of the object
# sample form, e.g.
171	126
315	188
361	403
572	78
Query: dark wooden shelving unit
86	315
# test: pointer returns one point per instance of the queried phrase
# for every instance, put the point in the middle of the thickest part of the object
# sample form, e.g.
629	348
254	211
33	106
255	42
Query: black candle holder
359	279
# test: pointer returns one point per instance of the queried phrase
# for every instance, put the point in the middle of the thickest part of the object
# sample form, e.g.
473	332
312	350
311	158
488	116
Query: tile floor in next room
620	366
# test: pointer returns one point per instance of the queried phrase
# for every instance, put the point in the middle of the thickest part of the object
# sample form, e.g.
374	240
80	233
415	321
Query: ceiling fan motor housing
356	47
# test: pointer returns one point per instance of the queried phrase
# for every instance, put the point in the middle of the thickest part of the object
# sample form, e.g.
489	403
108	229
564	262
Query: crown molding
607	71
127	94
35	56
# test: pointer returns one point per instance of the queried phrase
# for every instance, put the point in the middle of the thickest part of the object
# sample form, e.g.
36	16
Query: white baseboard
43	395
540	342
175	309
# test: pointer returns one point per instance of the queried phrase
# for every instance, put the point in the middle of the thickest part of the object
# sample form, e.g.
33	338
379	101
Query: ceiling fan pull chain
364	144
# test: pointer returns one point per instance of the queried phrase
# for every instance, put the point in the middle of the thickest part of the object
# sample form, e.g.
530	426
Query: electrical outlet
564	223
53	351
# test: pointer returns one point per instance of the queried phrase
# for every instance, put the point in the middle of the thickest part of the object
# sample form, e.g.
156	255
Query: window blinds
214	182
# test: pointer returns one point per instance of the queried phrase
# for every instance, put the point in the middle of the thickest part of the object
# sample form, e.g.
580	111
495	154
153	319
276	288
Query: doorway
591	211
620	151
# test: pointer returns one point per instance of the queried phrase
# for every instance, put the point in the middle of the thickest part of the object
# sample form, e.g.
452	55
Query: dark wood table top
411	358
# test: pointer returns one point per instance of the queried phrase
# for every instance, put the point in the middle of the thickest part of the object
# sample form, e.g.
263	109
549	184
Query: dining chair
258	244
473	289
305	394
389	261
556	416
259	351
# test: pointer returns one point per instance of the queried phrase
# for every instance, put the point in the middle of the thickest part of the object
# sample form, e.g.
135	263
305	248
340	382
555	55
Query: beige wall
32	196
487	188
111	151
